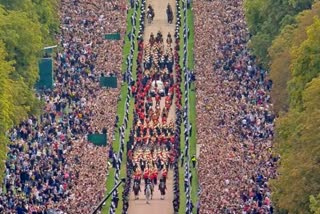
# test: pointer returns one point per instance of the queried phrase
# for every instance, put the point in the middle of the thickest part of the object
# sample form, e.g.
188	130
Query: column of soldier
153	134
152	141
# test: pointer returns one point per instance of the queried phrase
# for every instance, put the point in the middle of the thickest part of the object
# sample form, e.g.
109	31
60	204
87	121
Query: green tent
98	139
109	82
112	36
45	74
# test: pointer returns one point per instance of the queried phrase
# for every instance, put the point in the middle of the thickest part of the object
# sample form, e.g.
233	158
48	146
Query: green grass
192	107
121	112
192	115
116	146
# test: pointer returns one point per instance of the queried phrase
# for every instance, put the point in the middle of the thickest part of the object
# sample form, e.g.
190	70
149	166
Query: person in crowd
50	164
234	113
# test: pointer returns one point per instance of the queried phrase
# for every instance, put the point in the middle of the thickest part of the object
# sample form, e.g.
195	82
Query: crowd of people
50	164
234	113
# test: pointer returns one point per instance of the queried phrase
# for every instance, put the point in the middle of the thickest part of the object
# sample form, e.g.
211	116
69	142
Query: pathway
157	206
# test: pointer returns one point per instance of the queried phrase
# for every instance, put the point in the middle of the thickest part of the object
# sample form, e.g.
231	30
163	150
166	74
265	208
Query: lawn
192	115
121	112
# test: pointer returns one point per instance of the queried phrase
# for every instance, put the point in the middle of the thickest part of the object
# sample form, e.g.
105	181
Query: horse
149	17
169	14
136	189
148	193
150	14
162	188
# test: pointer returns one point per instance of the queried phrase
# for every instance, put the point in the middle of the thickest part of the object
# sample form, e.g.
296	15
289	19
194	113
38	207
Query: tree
266	19
15	30
280	55
6	105
40	11
305	64
298	141
315	204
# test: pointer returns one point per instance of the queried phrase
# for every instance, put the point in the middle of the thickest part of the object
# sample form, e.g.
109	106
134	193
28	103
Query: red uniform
172	139
133	89
146	174
164	173
137	176
158	98
164	120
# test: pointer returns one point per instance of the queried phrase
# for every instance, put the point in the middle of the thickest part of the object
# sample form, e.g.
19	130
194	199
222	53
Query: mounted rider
162	187
164	174
154	175
150	12
148	182
146	175
137	175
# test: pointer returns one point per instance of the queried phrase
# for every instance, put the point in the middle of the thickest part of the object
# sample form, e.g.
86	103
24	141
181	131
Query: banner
109	82
98	139
45	74
112	36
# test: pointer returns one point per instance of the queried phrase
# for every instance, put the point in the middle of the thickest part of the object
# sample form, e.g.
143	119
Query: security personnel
194	160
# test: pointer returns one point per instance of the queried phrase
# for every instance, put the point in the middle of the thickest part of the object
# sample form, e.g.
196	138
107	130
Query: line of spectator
234	113
178	80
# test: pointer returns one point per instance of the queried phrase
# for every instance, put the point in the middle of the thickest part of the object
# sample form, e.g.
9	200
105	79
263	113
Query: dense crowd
234	117
50	165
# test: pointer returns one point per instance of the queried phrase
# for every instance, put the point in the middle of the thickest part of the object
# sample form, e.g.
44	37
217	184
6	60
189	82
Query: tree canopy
281	55
266	18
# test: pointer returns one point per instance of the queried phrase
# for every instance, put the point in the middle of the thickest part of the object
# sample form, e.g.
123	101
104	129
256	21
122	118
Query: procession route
157	206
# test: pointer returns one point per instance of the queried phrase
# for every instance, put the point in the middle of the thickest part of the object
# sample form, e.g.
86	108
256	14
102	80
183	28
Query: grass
121	112
192	107
182	195
192	115
116	146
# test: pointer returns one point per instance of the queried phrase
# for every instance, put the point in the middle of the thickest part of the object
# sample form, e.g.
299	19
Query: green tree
266	18
41	11
6	105
15	30
298	141
280	55
25	27
305	64
315	204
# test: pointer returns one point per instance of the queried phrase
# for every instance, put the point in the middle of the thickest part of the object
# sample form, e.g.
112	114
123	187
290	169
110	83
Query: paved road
157	206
